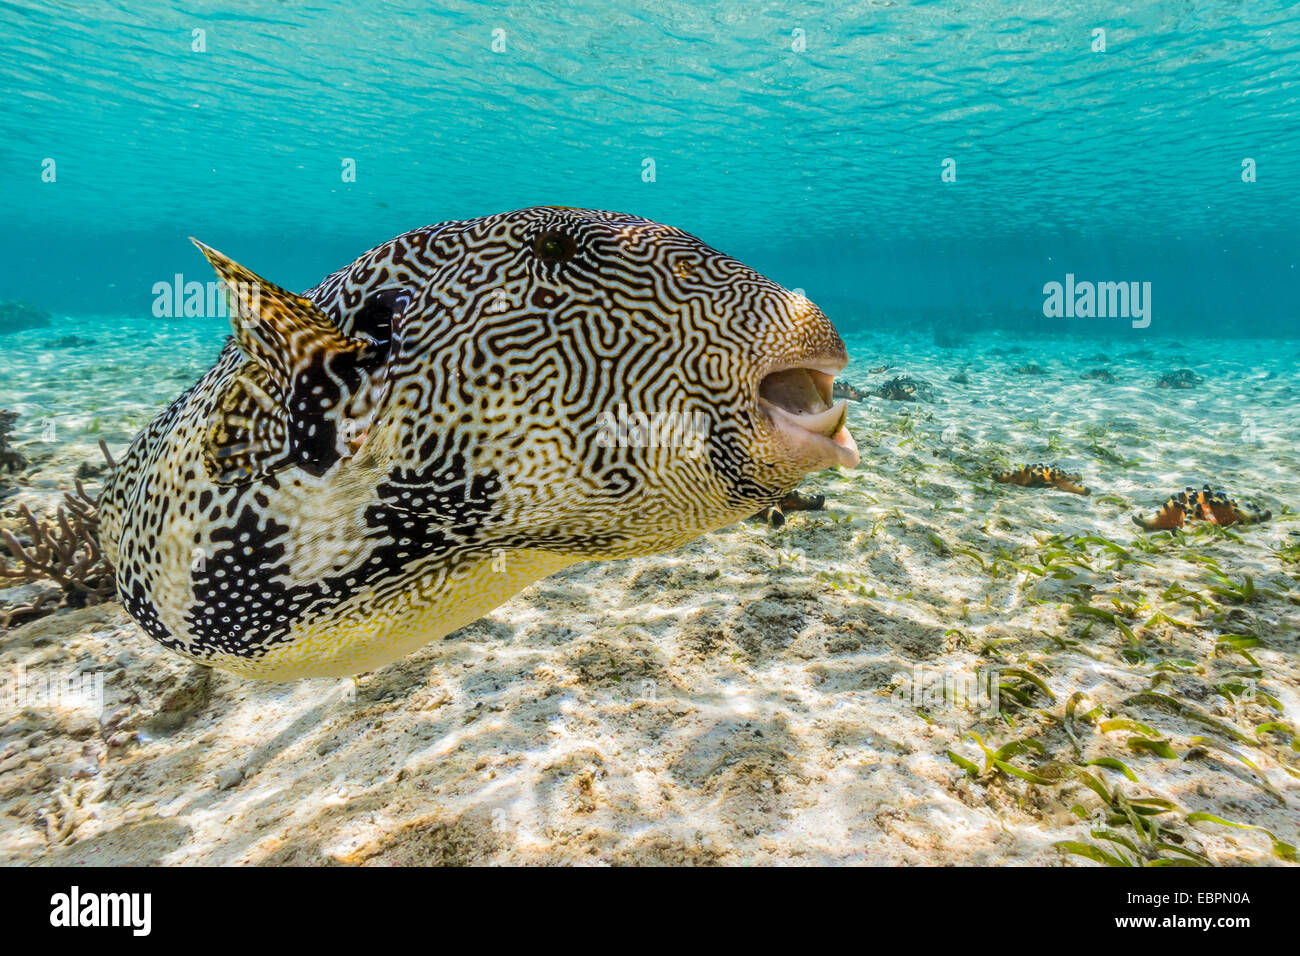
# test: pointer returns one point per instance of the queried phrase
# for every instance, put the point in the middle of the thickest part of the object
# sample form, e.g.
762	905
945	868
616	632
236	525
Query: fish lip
836	448
822	436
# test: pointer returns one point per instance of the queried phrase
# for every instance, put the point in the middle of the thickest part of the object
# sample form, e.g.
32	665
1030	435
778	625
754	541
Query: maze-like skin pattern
389	456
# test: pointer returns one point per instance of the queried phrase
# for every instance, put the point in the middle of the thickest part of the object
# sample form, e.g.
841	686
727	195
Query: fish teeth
826	423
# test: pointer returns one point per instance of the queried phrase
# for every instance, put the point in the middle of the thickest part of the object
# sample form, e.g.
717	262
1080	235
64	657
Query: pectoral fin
306	394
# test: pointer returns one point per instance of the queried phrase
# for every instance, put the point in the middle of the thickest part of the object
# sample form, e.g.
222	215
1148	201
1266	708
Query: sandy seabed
752	698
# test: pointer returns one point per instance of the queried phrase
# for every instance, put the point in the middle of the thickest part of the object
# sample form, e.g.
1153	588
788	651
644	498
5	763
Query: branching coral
63	550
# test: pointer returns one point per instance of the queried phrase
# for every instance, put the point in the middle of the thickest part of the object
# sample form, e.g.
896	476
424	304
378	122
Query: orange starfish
1212	507
1043	476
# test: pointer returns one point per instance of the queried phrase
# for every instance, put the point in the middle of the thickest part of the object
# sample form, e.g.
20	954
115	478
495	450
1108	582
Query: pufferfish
386	458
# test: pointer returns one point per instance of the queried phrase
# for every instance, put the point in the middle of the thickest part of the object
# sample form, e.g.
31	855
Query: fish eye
554	247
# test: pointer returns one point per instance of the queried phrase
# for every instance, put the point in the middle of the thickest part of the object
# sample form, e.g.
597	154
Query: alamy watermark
1101	300
932	690
213	299
58	688
624	429
127	910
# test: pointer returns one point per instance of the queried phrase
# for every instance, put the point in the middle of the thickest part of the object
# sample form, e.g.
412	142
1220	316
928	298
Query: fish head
613	384
580	381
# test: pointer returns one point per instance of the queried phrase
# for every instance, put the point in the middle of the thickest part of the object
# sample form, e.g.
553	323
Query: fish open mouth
798	400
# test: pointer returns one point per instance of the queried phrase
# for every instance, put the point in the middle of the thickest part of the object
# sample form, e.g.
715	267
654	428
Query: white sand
733	702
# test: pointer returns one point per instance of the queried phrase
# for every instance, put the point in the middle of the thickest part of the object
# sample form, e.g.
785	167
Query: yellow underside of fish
367	632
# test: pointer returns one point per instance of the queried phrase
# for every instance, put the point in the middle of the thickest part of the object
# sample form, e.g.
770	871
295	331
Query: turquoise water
925	172
822	166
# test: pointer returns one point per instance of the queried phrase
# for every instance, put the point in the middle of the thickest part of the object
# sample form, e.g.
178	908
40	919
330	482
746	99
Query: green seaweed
1189	712
1148	845
1282	849
1108	617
